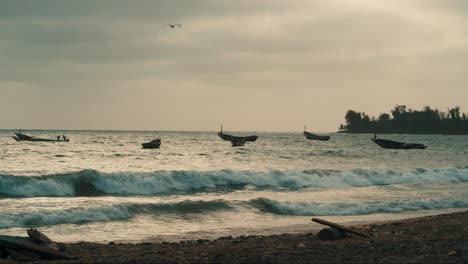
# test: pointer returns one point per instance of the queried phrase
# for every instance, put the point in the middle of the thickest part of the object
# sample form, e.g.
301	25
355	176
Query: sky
252	65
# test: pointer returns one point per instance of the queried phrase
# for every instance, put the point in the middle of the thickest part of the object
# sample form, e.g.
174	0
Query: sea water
102	186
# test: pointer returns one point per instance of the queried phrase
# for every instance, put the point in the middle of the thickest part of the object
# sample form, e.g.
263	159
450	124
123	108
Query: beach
431	239
233	131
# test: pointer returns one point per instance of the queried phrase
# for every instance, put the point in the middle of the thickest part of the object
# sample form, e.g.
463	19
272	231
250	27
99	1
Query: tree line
407	121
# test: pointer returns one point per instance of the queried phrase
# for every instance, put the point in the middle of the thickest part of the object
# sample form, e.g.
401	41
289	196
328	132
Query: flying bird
173	25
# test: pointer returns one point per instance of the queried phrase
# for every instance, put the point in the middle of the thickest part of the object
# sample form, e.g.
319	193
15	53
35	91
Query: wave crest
359	208
127	211
92	183
118	212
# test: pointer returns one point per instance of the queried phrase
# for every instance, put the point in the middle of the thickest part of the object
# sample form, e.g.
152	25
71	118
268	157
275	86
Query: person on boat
58	137
64	138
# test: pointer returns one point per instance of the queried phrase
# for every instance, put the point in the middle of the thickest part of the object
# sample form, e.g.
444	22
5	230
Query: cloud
107	50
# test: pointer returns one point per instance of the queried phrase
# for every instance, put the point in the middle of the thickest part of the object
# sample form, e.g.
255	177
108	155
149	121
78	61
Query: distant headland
408	121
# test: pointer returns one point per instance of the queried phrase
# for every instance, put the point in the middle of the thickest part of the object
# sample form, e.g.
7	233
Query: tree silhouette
408	121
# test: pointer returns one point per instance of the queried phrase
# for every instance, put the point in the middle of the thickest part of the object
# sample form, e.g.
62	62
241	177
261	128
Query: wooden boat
311	136
390	144
23	137
231	138
153	144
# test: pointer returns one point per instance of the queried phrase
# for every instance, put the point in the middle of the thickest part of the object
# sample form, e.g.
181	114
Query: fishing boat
23	137
390	144
231	138
311	136
153	144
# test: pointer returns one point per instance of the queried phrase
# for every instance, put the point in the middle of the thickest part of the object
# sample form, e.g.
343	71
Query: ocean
102	186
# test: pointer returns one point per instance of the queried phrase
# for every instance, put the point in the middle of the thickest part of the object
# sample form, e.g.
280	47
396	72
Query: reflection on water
102	186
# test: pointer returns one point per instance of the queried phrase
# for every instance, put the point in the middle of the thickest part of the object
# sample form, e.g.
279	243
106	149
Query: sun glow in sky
263	65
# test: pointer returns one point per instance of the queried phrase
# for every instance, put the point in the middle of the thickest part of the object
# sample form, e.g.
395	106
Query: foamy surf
95	183
127	211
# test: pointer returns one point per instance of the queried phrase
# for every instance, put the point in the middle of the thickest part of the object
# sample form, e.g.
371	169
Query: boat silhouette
23	137
390	144
153	144
236	138
311	136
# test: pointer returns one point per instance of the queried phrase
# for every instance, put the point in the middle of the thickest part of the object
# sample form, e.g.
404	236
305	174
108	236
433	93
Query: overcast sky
253	65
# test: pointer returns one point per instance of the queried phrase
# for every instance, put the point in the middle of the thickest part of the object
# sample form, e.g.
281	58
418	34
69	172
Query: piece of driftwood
340	227
3	252
22	255
41	239
18	243
38	237
331	233
4	245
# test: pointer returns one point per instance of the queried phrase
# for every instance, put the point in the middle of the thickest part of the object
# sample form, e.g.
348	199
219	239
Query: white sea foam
90	182
127	211
117	212
356	208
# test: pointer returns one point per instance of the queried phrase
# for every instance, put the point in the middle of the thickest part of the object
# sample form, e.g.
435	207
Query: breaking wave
358	208
118	212
94	183
127	211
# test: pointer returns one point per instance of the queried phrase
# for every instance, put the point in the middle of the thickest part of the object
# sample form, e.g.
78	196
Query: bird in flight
173	25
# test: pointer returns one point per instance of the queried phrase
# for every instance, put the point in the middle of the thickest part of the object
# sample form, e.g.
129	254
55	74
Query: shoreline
429	239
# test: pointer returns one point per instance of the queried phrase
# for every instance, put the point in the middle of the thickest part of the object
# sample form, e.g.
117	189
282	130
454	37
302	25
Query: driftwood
38	237
41	239
24	244
3	252
22	255
340	227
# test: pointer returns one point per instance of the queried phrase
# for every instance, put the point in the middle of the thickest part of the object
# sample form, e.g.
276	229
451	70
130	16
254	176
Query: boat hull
23	137
390	144
311	136
231	138
38	140
155	144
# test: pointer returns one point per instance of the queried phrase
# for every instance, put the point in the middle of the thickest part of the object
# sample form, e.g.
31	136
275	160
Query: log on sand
340	227
20	243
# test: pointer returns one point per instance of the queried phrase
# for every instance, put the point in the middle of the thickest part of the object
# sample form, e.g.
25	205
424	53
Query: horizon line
163	130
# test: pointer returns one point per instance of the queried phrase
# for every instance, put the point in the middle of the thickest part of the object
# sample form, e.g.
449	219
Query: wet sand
431	239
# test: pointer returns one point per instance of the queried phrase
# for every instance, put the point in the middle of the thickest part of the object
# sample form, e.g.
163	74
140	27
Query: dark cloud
148	10
70	51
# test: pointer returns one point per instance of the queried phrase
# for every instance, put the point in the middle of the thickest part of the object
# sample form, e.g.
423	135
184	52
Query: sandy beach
431	239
